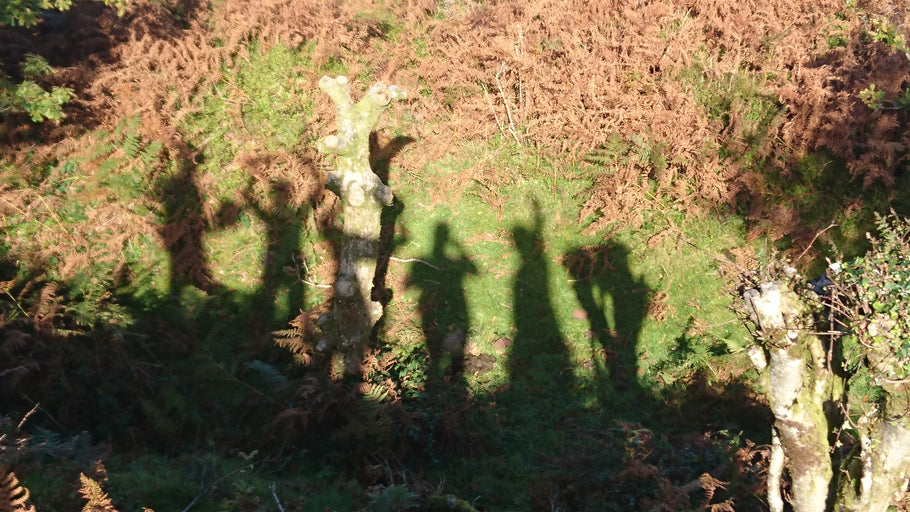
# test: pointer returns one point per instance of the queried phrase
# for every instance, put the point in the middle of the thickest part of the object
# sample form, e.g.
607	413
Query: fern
294	340
614	152
131	145
50	443
270	376
170	411
13	496
150	154
393	499
97	499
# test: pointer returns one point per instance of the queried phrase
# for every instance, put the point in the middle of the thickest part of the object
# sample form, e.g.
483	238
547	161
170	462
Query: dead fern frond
97	499
709	485
13	496
637	469
725	506
296	341
12	341
292	421
45	310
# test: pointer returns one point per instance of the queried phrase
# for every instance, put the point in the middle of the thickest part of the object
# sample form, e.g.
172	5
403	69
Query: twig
27	415
108	221
212	485
23	212
486	94
502	93
418	260
317	285
53	215
7	371
306	271
519	52
714	255
275	495
16	302
711	326
894	381
814	238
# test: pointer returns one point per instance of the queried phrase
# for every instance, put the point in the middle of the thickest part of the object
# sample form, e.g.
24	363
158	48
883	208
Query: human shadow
601	278
184	227
443	307
281	260
539	365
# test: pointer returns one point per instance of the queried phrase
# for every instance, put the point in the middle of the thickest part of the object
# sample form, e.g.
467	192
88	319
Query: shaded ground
731	109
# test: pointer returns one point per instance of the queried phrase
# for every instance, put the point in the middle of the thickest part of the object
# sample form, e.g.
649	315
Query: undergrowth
556	332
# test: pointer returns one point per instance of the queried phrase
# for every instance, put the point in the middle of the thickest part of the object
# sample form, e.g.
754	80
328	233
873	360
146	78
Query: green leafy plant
27	13
882	31
29	97
876	289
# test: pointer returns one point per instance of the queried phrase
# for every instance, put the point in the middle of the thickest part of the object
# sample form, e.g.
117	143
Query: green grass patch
567	335
476	243
261	105
575	329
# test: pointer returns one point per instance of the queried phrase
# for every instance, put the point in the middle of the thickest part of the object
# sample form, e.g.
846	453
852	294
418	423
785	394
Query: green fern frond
50	443
150	154
170	411
376	394
270	376
612	153
131	145
393	499
159	418
601	158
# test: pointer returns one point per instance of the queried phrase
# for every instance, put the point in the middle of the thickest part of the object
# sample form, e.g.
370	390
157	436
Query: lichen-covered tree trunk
806	396
883	464
799	383
349	323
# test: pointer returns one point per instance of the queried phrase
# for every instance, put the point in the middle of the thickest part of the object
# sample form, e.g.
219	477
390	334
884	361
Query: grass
510	239
622	341
592	349
585	351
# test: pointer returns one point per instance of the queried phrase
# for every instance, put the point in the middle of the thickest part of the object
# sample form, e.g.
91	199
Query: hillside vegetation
577	187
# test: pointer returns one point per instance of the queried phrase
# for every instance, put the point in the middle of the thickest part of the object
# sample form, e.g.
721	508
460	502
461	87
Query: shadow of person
443	307
283	223
539	366
603	281
184	228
